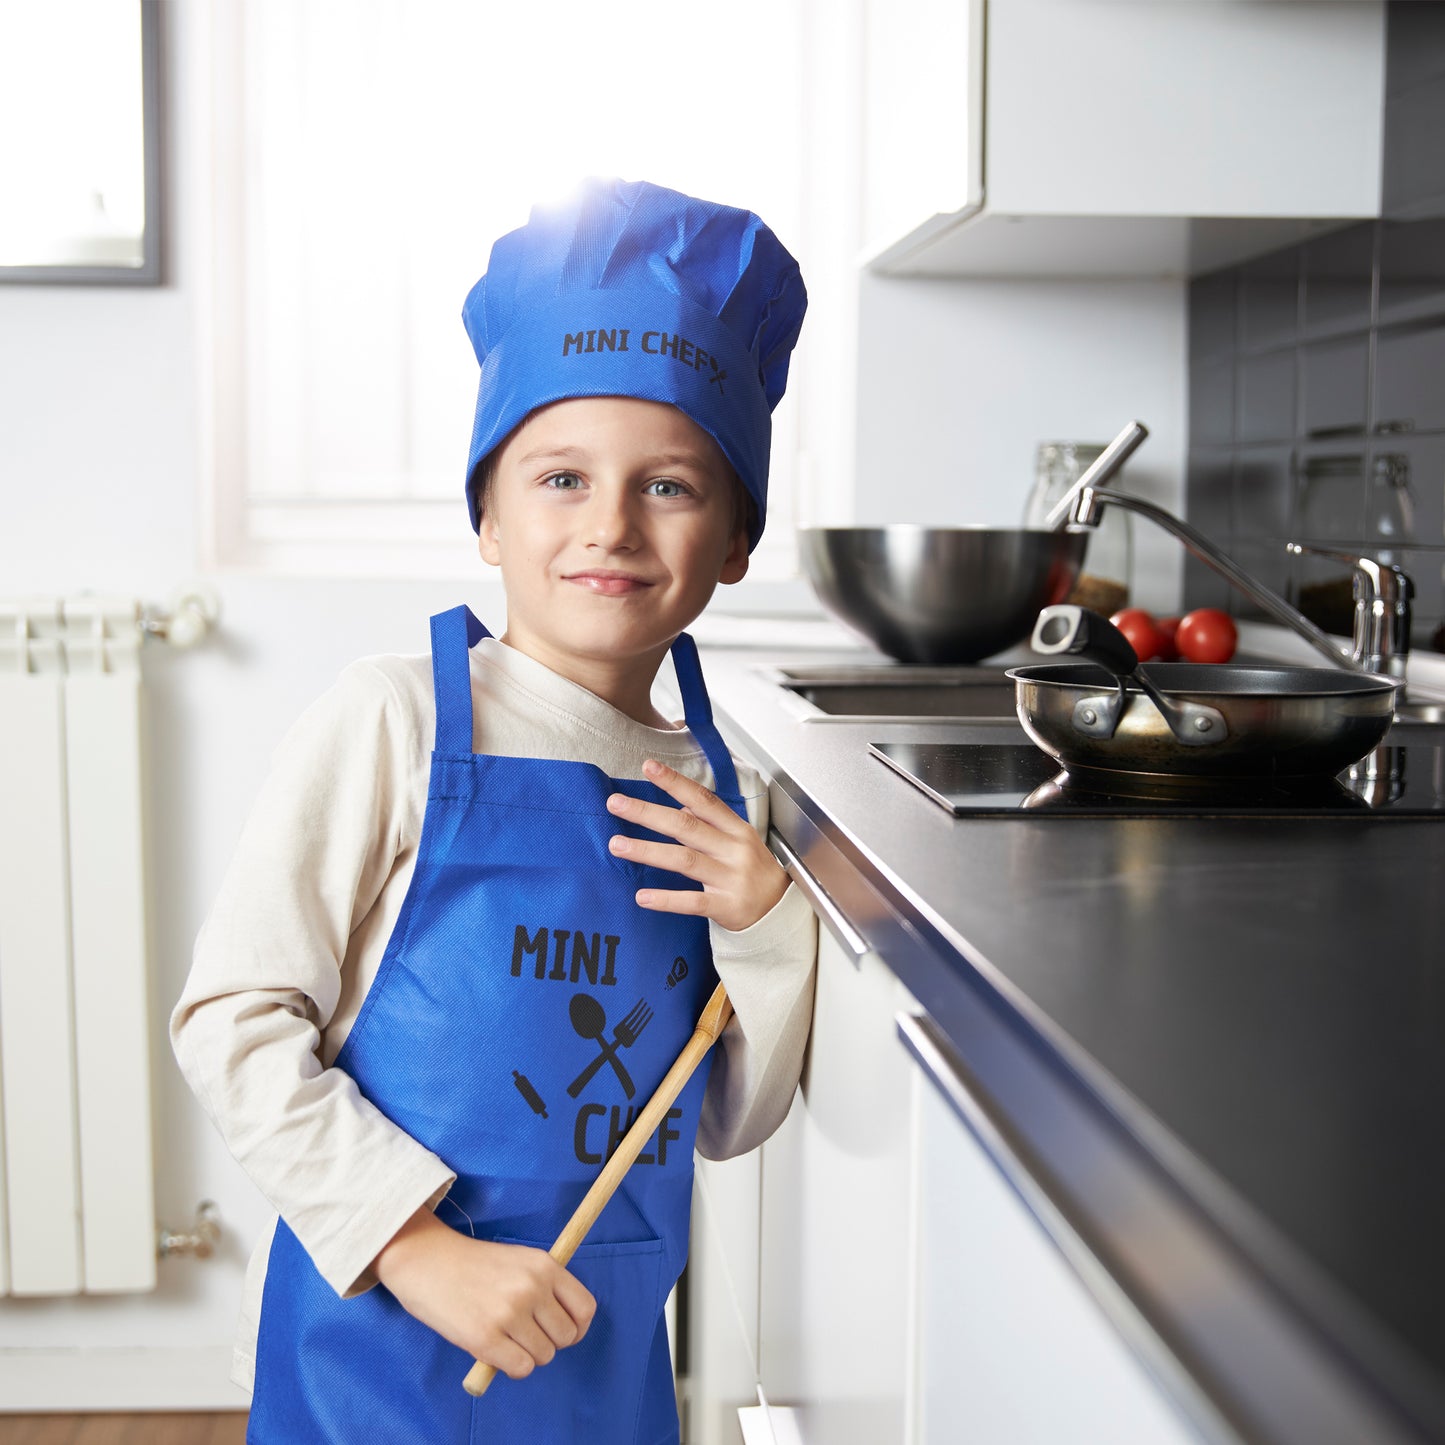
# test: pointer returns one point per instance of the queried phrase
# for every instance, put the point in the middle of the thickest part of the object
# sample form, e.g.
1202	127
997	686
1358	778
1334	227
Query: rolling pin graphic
714	1019
528	1091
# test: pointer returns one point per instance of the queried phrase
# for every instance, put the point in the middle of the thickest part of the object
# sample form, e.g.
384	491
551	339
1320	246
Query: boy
432	995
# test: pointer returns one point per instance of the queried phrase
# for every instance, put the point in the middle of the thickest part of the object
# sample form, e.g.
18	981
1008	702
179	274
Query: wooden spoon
714	1019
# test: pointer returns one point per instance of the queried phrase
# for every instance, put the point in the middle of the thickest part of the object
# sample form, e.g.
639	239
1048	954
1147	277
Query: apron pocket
600	1388
331	1371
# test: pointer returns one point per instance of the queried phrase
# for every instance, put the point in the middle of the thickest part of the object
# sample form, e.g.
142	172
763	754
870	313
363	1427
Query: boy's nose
611	522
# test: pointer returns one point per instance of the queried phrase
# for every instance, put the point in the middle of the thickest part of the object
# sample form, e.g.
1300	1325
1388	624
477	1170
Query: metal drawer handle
927	1043
930	1046
812	890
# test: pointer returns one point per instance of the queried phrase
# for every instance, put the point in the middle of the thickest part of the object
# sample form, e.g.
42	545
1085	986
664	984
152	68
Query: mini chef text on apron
524	1011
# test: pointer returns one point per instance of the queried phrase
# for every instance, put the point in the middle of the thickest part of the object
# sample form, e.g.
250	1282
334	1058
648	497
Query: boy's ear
487	539
735	563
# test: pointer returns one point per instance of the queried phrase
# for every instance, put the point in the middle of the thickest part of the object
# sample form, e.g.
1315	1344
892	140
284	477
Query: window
367	154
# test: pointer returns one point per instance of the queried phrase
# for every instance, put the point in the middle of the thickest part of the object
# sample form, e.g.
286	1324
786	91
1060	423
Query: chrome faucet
1382	591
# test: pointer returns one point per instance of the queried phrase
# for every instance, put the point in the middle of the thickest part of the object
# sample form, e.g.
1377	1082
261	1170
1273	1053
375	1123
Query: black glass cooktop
993	779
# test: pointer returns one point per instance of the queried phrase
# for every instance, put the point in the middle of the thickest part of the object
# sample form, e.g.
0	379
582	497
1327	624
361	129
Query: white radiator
77	1210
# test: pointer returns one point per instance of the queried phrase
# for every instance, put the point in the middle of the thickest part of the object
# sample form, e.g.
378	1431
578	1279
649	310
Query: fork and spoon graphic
589	1019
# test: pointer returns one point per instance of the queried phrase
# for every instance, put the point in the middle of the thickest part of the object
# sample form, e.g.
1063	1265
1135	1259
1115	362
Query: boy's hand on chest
741	881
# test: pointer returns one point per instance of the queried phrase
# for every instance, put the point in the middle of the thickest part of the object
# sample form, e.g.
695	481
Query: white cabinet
923	103
834	1297
1114	138
1012	1349
722	1295
876	1274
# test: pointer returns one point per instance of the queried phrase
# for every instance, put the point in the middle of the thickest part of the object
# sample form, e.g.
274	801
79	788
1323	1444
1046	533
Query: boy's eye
667	487
564	481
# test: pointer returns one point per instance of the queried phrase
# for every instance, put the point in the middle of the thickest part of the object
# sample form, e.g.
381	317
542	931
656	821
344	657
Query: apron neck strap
455	633
697	712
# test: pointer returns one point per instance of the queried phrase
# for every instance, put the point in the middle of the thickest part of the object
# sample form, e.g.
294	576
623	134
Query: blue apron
524	1011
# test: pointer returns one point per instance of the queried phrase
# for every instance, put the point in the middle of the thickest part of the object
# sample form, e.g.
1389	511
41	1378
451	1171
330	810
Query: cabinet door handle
925	1041
940	1062
935	1054
813	891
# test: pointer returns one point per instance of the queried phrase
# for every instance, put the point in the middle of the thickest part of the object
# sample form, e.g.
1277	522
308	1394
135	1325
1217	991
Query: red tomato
1168	649
1207	635
1141	630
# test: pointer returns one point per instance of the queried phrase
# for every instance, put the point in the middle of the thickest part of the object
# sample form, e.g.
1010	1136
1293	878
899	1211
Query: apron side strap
453	634
697	711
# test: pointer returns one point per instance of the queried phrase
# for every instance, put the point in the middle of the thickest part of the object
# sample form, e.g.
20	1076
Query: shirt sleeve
321	840
769	970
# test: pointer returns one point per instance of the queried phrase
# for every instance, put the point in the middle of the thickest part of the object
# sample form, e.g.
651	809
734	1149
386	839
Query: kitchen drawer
1012	1347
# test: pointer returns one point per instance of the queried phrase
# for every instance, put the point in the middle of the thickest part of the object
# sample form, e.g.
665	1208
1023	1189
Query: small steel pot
1218	720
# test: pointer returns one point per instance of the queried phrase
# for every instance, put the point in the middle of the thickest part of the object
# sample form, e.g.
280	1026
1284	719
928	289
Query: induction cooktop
1005	779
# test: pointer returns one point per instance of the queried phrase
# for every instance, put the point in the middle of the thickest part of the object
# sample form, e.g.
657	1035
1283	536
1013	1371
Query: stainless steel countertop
1217	1045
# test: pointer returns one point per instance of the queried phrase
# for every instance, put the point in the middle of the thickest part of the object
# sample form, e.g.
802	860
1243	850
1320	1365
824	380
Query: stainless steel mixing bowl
940	594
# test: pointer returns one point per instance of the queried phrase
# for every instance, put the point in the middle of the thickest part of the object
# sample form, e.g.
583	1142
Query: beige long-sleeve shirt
307	907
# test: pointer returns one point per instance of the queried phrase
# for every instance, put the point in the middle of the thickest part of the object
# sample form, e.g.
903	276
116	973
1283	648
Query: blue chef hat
628	289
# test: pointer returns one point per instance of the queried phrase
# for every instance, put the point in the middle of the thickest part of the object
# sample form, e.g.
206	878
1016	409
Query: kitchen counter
1211	1052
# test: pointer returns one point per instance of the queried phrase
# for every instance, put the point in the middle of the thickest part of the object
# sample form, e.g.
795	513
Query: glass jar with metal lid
1107	576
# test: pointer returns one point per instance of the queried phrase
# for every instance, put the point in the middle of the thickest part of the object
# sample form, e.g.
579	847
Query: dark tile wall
1317	379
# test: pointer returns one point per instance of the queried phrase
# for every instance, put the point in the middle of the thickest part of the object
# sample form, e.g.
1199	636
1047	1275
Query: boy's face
612	520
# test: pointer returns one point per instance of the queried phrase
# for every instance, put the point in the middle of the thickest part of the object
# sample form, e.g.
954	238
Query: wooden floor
162	1429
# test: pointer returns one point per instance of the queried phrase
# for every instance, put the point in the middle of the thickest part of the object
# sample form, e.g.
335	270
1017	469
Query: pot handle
1081	633
1077	631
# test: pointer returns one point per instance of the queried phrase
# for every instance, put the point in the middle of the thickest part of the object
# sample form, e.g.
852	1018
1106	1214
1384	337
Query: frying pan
1180	719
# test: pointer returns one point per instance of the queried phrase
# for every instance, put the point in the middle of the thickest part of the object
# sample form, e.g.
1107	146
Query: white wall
960	380
100	478
100	490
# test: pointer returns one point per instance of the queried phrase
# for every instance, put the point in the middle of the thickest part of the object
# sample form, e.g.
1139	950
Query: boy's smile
612	519
609	583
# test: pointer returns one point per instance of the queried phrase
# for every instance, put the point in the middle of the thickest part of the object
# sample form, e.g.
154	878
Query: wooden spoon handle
714	1019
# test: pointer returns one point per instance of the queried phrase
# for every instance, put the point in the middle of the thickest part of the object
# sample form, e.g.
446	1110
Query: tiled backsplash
1317	415
1317	379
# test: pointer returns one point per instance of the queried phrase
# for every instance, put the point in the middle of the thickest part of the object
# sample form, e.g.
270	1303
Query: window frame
402	539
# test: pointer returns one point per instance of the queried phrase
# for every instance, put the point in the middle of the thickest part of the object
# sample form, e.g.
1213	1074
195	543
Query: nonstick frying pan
1174	719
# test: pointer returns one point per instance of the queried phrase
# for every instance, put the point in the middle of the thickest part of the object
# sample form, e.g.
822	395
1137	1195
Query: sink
970	694
974	694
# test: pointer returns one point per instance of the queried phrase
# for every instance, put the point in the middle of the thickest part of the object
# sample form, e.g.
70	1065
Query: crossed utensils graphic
590	1021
